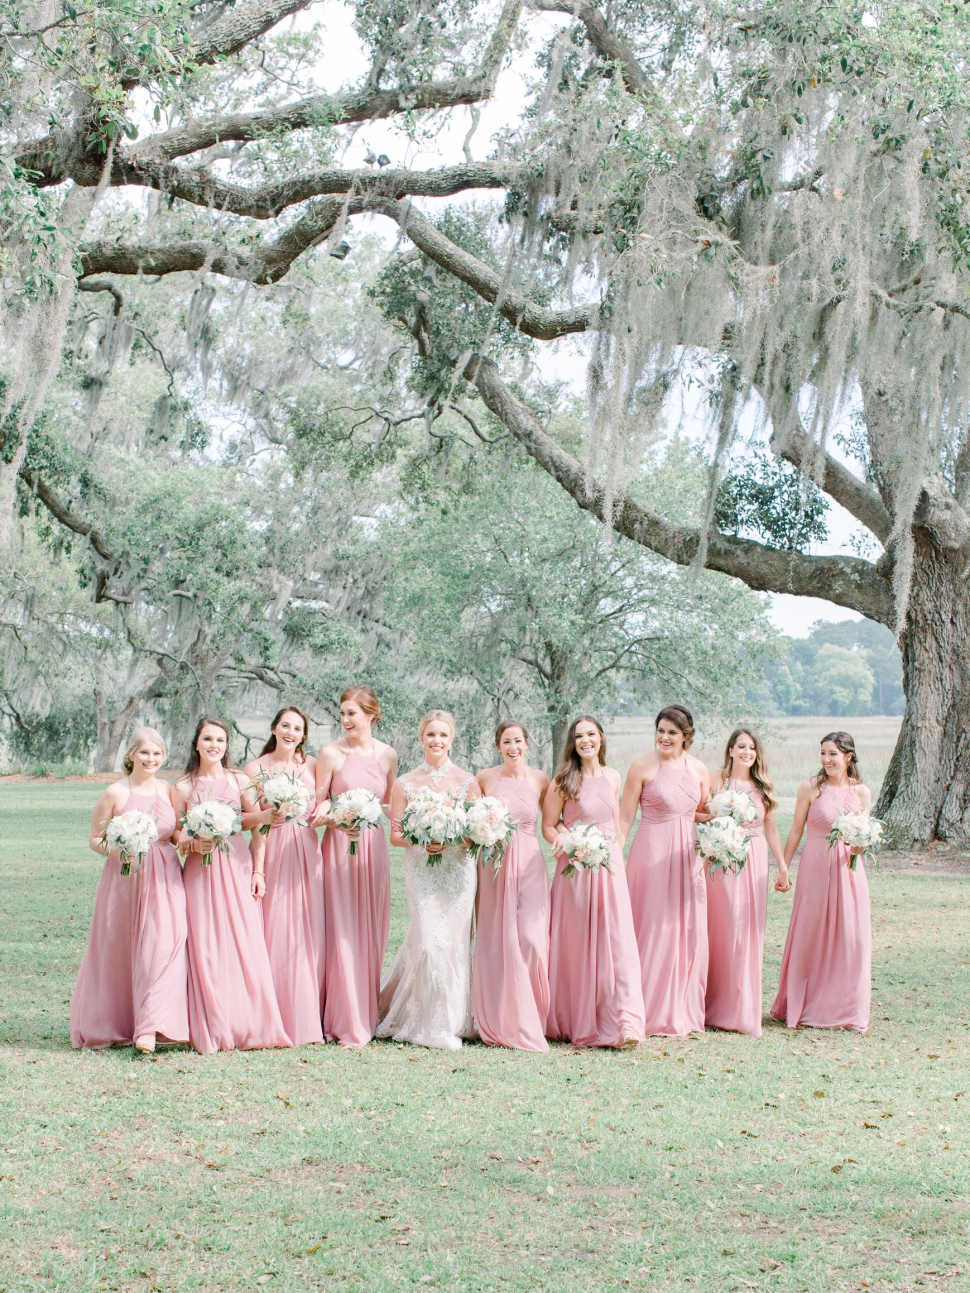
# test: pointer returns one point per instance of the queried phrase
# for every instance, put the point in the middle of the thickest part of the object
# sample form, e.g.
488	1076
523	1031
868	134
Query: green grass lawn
802	1160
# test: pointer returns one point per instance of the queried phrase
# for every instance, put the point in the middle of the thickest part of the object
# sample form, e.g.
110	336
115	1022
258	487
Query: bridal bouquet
357	810
211	819
131	833
857	830
434	817
489	828
736	804
723	843
585	846
286	793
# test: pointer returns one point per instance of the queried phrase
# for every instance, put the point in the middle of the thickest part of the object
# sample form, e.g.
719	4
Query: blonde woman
131	986
427	995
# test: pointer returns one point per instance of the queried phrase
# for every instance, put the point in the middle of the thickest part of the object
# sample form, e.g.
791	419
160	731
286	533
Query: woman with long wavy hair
595	997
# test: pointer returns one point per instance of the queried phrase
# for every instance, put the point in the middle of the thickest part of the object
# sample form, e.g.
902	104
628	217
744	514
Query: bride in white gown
426	997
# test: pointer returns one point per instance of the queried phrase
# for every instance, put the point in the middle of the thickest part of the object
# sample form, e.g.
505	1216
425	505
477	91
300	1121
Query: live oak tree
771	195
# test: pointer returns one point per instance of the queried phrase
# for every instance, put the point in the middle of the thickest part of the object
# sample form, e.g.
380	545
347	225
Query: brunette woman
232	1002
595	997
357	888
665	875
292	886
737	904
510	977
826	968
131	984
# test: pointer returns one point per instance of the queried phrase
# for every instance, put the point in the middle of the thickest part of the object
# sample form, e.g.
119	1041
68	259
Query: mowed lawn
802	1160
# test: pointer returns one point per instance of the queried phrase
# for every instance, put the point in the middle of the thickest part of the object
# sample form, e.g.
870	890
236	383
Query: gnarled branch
604	39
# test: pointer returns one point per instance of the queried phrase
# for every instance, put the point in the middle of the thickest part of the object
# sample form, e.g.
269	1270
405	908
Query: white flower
357	809
211	819
585	846
287	794
723	843
857	830
131	833
489	828
433	817
736	804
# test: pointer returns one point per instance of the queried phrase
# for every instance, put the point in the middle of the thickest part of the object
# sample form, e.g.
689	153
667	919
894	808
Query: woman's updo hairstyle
681	718
504	727
436	716
138	738
365	697
844	742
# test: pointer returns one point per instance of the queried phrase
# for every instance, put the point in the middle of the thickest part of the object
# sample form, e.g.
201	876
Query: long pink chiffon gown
232	1001
737	906
594	973
358	903
510	975
826	967
132	978
293	925
669	899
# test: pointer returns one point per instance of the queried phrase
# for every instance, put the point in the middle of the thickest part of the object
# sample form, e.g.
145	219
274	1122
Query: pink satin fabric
357	893
595	997
669	899
737	906
293	925
132	977
510	975
826	967
232	1002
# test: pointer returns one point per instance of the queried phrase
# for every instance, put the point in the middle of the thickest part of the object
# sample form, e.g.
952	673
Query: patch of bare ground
935	859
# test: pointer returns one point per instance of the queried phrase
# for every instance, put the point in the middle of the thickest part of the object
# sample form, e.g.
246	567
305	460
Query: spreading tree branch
608	44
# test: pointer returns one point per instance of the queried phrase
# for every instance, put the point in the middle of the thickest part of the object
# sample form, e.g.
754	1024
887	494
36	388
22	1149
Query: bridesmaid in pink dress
510	975
595	997
131	984
737	904
232	1002
288	875
666	878
826	968
357	889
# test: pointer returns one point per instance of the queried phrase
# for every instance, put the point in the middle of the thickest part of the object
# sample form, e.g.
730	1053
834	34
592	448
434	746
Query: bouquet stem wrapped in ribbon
287	794
857	830
131	833
356	810
489	828
586	847
212	819
434	819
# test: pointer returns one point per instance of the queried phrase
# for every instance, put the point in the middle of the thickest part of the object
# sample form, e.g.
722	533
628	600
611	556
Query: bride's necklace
435	775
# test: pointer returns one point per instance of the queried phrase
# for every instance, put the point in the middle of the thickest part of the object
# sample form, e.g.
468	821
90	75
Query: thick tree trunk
926	793
559	725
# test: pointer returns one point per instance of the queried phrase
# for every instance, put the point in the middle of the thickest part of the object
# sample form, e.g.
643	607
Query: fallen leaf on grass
872	1126
494	1153
837	1167
820	1094
400	1227
281	1095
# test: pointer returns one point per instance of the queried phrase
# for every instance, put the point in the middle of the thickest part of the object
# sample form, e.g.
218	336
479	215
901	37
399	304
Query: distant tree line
845	669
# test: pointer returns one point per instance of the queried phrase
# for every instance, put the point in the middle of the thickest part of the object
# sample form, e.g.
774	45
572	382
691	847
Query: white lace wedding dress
426	998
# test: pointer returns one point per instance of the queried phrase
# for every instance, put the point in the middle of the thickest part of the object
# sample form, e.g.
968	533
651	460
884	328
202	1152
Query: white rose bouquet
489	828
358	810
586	847
433	817
736	804
211	819
131	833
723	843
857	830
287	794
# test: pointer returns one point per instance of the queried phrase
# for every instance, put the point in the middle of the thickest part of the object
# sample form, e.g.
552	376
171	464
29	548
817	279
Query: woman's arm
630	802
108	806
327	761
257	885
806	792
391	778
773	839
257	817
399	801
552	806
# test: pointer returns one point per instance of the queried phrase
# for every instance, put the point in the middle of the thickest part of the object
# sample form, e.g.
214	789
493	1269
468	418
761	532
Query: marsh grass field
802	1160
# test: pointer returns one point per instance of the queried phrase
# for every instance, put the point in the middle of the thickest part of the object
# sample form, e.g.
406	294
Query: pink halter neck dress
737	906
232	1002
357	893
669	899
510	978
595	997
132	978
826	967
293	924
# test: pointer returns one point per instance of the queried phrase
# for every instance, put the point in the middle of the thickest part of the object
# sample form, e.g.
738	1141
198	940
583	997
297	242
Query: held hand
556	845
201	845
857	851
271	816
258	886
782	880
321	814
